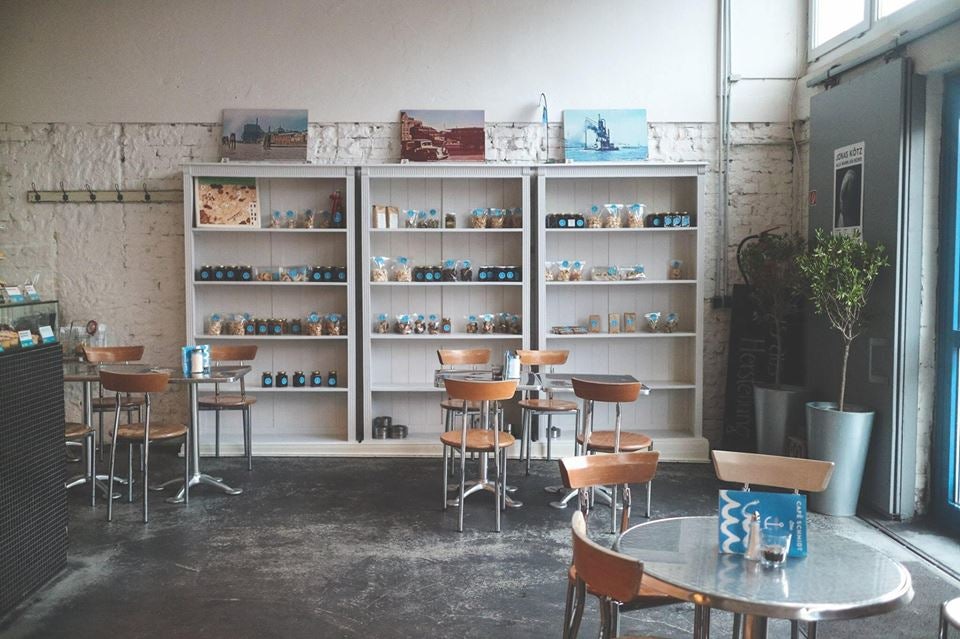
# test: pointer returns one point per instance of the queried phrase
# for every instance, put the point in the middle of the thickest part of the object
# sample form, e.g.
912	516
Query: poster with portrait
848	189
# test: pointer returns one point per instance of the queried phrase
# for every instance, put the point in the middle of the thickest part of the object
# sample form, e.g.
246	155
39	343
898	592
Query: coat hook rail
89	195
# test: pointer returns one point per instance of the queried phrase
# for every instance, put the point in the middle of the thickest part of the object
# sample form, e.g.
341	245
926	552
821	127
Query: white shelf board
640	335
456	230
293	389
405	388
455	284
276	338
244	229
646	229
270	283
445	336
619	282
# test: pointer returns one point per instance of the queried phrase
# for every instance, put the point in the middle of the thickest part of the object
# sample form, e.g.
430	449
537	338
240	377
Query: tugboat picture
601	135
605	135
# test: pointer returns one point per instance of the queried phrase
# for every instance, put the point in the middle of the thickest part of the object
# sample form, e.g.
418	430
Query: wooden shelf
456	230
645	229
620	282
293	389
446	336
242	229
275	338
270	283
406	388
643	335
439	284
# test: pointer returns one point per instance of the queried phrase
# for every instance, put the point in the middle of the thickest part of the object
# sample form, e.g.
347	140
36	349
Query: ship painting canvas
605	135
264	135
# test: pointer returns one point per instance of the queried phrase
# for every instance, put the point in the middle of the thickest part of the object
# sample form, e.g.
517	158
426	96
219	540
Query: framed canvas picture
442	135
264	134
605	135
227	202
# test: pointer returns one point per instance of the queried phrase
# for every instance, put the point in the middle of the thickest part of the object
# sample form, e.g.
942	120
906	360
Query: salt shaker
753	539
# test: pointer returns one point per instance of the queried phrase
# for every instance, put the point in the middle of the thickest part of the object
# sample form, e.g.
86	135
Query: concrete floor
360	548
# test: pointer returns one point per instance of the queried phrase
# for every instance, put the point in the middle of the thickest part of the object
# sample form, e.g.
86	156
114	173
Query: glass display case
26	316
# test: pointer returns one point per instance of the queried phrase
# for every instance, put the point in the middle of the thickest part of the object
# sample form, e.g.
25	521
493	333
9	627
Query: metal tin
384	421
397	431
380	432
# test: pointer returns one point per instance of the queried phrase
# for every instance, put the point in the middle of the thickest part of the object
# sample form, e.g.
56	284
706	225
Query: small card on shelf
26	339
31	292
46	335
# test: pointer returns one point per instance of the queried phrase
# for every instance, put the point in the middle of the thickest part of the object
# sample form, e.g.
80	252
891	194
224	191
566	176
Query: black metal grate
33	510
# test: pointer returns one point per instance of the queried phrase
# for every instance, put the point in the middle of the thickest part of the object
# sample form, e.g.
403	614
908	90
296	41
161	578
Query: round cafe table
839	579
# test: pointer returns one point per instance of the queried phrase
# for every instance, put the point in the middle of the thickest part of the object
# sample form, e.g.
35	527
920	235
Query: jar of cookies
378	269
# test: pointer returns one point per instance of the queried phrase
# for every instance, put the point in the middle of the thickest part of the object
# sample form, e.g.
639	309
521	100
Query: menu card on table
786	511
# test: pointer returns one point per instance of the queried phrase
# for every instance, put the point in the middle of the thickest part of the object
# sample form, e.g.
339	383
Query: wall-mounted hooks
89	195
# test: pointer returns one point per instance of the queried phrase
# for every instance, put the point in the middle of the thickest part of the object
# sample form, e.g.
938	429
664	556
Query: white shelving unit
670	363
398	369
291	421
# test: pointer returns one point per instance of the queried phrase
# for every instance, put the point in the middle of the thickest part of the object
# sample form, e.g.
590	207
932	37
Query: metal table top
839	579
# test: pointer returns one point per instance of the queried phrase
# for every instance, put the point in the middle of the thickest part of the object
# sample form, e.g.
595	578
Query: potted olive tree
770	268
839	272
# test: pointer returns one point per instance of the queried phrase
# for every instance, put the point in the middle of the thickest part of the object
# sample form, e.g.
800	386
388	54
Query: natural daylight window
833	22
886	7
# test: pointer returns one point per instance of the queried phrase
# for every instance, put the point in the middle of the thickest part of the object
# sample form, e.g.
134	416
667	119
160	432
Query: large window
836	22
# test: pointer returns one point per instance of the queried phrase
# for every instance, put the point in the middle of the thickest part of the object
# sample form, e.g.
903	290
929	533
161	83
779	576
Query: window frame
855	31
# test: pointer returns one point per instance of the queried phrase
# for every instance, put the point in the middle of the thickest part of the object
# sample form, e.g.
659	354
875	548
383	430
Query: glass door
945	487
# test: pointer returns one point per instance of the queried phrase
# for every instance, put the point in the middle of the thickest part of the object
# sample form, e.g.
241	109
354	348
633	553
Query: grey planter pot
843	438
779	412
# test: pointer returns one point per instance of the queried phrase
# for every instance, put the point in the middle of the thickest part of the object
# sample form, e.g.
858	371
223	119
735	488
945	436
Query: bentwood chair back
100	355
484	440
949	617
143	433
615	440
588	471
549	406
240	354
792	473
613	577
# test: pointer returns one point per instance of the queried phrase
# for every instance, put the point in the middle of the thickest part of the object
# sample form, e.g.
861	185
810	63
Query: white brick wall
123	263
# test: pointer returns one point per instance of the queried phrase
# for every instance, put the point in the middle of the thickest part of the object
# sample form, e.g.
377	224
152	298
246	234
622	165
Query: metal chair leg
145	462
445	471
549	437
186	468
463	480
130	473
497	485
613	509
100	417
248	436
794	629
568	610
737	625
216	444
503	493
113	466
811	630
90	450
527	431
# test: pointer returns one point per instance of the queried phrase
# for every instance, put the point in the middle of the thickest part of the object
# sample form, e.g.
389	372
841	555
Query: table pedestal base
207	480
475	486
79	480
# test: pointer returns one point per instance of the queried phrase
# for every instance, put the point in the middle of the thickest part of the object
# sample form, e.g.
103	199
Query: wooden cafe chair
582	473
219	402
548	406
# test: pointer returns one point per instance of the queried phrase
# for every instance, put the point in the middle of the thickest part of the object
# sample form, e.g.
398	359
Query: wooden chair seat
602	441
478	439
109	403
76	430
134	432
548	405
226	401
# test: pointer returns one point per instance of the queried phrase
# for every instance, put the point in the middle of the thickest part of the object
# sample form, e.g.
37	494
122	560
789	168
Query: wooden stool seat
107	404
548	405
157	431
602	441
76	430
226	401
478	440
457	405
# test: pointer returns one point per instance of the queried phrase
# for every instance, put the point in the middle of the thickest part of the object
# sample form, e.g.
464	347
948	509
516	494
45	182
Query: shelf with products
638	288
307	319
398	380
